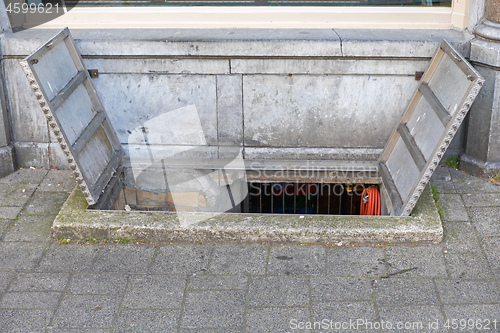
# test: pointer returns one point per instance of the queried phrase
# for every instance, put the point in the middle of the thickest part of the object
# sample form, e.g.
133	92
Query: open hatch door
443	98
77	118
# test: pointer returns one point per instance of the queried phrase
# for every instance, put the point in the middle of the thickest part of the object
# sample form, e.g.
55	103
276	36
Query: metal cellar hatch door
443	98
63	88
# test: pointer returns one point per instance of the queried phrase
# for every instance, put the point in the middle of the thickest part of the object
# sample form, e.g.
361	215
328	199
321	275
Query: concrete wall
306	94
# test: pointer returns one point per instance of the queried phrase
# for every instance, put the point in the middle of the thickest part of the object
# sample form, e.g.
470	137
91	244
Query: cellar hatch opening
102	165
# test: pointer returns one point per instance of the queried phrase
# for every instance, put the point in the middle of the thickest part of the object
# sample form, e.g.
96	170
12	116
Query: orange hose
372	206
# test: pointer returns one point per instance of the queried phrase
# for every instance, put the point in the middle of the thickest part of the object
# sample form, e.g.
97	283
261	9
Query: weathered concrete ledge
75	222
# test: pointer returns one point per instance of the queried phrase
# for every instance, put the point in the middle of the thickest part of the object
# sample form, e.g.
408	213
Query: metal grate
304	198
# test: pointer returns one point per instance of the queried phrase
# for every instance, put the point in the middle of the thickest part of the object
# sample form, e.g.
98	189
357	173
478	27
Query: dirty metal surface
443	98
62	85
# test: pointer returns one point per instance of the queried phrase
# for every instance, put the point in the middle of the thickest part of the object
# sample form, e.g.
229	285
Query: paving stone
419	261
58	181
411	318
460	237
210	330
468	291
45	203
39	282
332	288
278	291
86	311
468	266
4	225
492	250
25	176
76	330
124	258
19	256
19	320
9	212
486	220
147	321
30	300
444	186
30	228
481	200
15	195
453	207
459	176
278	319
218	282
357	261
181	259
214	308
487	314
475	185
336	313
294	260
154	292
91	283
68	258
5	279
239	259
406	291
441	173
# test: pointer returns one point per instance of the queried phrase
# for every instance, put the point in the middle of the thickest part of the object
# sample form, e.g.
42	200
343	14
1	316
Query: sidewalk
46	286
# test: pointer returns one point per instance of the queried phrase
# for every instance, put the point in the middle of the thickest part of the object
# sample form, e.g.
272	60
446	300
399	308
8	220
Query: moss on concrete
75	222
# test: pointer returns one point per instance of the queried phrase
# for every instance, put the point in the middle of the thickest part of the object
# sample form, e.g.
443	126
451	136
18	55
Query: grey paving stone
124	258
441	173
419	261
77	330
4	225
30	228
181	259
468	291
154	292
486	220
356	261
335	314
25	176
488	314
86	311
39	282
9	212
239	259
295	260
147	321
412	318
460	237
45	203
492	250
15	195
278	291
20	256
58	181
218	282
459	176
453	207
468	266
19	320
68	258
260	320
475	185
332	288
481	200
406	291
210	330
444	186
214	308
5	279
91	283
30	300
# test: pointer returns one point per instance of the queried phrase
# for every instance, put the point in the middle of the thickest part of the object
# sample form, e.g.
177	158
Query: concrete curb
75	222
